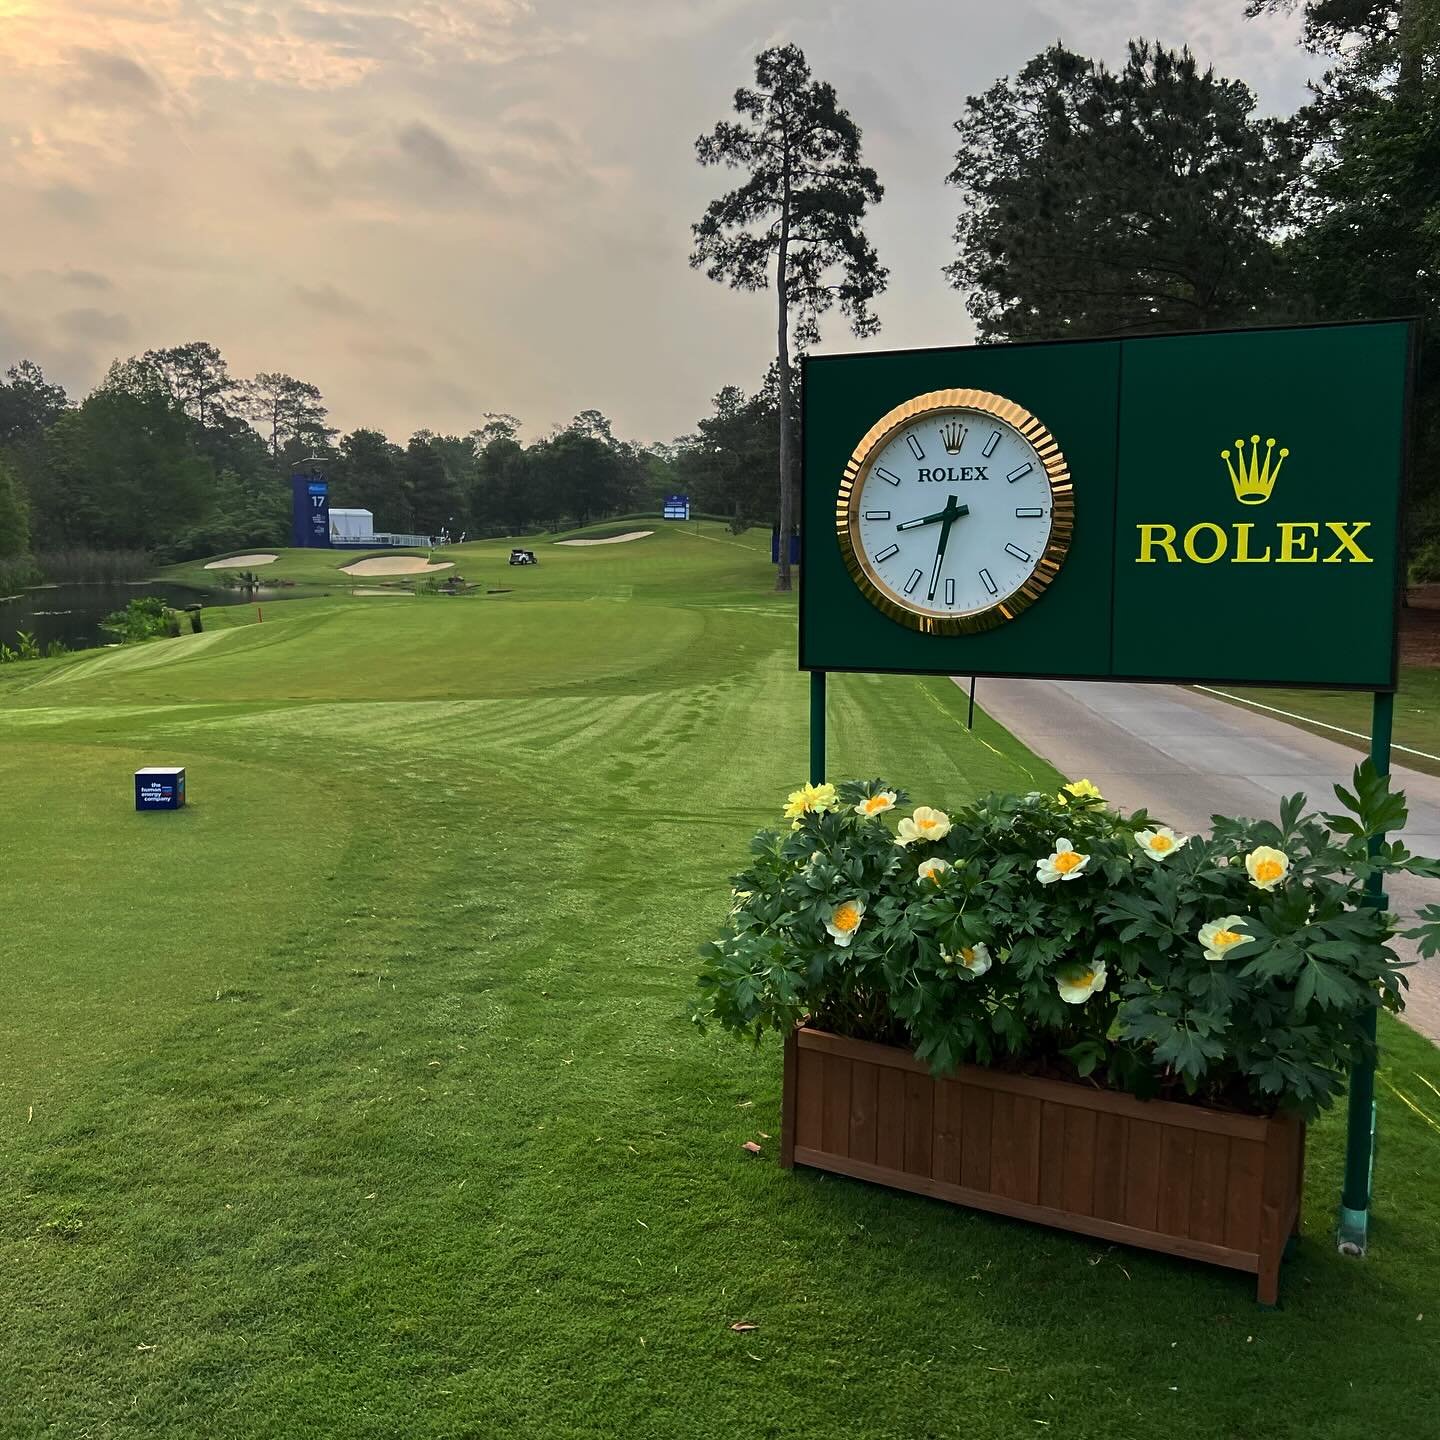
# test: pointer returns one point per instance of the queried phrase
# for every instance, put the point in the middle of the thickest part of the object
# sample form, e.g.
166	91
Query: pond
72	614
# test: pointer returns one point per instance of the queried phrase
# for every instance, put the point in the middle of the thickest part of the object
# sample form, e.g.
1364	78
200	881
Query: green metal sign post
817	727
1361	1120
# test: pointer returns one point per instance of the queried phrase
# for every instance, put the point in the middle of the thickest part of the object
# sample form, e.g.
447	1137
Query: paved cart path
1185	756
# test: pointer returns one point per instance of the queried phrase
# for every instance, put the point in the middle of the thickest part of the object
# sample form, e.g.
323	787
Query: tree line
172	456
1093	201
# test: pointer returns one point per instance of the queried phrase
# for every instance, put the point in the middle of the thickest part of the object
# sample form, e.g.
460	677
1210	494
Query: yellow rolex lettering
1346	534
1156	537
1242	547
1192	536
1293	544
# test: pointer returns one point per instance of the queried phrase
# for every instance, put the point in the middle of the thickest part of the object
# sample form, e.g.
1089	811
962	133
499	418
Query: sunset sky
435	208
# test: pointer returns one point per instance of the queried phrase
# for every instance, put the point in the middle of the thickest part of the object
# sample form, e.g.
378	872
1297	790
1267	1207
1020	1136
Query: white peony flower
973	959
1063	863
1267	866
933	868
1159	841
845	920
1077	982
1221	935
925	824
876	804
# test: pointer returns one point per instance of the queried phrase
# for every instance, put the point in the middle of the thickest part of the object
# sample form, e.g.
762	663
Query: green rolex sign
1215	507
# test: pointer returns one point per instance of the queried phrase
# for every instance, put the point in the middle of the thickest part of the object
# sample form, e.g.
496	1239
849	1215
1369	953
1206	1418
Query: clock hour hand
950	512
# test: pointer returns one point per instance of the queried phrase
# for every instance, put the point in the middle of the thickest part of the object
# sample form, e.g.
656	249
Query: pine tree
799	211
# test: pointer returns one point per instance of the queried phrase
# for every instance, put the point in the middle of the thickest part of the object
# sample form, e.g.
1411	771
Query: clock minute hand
946	514
951	514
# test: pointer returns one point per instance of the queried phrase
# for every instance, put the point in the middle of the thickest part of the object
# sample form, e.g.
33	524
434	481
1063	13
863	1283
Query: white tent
346	525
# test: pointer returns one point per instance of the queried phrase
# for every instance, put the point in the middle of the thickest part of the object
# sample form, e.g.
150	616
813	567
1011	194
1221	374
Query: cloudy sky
435	208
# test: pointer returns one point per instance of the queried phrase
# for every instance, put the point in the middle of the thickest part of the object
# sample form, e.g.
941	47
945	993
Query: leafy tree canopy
1109	202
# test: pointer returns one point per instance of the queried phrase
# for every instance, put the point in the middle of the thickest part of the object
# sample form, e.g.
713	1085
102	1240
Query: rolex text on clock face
954	511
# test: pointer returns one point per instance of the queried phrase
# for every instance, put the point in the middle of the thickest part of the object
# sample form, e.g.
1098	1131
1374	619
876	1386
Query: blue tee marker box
160	787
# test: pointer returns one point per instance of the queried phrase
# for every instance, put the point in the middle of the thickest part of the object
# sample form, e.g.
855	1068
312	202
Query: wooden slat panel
1142	1175
1015	1147
948	1128
1079	1184
919	1097
1155	1112
1243	1194
985	1200
976	1108
787	1104
835	1106
1207	1189
1279	1204
1052	1154
864	1094
1111	1141
809	1094
890	1118
1177	1168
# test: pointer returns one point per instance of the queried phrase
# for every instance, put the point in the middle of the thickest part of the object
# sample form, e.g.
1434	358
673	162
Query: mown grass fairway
357	1100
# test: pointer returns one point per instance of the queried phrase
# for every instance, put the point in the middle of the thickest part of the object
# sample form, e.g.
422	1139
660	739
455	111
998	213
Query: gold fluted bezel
1062	513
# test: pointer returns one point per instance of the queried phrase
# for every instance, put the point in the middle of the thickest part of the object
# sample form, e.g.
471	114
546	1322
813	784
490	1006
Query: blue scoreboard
311	516
676	507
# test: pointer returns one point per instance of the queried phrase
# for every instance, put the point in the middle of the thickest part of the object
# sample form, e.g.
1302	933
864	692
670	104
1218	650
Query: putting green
356	1100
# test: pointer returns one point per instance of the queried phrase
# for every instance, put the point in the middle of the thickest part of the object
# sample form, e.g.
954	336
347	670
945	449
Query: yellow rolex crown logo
1253	477
953	436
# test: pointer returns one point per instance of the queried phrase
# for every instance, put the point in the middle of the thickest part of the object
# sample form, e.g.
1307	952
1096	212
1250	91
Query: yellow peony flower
845	920
933	868
1077	982
811	798
1065	863
925	824
876	804
973	959
1081	790
1267	866
1221	935
1159	841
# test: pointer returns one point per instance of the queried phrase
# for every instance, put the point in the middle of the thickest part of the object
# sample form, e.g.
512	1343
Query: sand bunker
242	562
395	565
610	539
361	590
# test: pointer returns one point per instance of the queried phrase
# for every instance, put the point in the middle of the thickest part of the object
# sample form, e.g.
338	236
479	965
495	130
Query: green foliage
14	515
728	466
1370	241
1103	966
28	648
1103	202
145	618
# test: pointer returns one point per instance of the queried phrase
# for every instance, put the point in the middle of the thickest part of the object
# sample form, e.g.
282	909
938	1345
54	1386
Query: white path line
1324	725
719	540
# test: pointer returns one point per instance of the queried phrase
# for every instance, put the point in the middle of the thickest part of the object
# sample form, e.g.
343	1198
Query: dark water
72	613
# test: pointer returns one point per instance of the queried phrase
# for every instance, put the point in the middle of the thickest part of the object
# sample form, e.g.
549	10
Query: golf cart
523	557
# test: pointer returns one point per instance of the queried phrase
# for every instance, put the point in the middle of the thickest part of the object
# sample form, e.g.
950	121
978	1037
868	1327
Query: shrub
144	618
1050	934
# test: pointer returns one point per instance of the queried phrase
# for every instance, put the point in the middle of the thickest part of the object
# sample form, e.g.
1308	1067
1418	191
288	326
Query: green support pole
817	727
1360	1126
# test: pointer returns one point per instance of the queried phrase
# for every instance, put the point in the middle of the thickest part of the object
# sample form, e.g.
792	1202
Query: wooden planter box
1205	1184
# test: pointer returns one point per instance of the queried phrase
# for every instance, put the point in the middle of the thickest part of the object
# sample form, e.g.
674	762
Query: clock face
956	511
